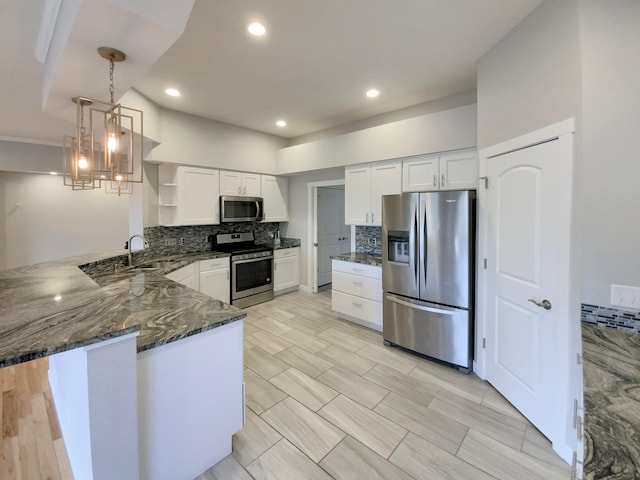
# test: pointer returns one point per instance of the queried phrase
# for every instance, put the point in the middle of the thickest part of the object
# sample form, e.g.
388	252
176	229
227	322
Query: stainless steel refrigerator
428	266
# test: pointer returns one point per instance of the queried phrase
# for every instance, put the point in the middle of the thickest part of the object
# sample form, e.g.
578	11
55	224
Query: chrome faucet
128	246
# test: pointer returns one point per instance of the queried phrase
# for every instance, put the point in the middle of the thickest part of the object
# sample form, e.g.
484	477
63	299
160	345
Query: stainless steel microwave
241	209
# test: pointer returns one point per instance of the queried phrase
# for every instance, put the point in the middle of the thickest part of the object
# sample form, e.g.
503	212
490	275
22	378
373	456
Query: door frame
572	334
312	230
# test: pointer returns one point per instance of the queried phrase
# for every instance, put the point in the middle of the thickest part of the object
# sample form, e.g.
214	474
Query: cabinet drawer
214	263
366	287
286	252
367	310
372	271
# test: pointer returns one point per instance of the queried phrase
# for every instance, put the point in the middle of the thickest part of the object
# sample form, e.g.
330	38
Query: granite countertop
611	403
284	243
53	307
354	257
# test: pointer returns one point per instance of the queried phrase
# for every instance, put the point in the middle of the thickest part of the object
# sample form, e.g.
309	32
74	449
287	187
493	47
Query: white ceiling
311	69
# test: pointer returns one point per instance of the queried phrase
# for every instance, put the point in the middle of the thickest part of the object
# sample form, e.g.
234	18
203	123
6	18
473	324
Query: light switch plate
625	296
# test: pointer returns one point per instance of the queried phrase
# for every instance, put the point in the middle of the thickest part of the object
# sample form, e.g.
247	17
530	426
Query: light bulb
112	143
83	163
118	178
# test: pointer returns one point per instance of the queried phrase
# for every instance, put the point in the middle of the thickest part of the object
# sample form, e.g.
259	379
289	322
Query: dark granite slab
284	243
53	307
364	258
611	403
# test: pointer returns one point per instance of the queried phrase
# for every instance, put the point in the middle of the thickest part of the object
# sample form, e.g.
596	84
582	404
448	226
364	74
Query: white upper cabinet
364	187
445	171
188	195
239	184
275	192
459	170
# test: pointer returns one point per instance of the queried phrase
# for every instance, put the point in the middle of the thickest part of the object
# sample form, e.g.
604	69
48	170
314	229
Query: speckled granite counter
363	258
612	403
53	307
284	243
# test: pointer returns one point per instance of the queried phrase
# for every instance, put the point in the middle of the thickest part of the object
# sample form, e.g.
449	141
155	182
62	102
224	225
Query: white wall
436	132
298	213
610	199
197	141
42	220
531	78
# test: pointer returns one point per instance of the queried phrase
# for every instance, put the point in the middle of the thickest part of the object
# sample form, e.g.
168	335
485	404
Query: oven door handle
250	260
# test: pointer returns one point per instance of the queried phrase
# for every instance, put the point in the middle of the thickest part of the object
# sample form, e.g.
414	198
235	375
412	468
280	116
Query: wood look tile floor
324	400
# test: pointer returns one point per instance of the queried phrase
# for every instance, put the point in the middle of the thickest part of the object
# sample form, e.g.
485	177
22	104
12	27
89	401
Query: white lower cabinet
187	276
357	293
210	277
286	269
214	278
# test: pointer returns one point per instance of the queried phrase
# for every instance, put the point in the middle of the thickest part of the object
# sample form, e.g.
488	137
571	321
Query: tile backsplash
369	240
193	238
610	317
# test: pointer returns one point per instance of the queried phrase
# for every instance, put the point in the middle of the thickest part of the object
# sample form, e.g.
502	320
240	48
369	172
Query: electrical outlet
181	241
170	241
625	296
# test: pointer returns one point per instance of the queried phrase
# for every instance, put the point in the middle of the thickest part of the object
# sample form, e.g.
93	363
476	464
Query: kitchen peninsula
146	373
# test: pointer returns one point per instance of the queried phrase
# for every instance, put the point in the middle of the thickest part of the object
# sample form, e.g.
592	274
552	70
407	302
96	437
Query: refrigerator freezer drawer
366	310
366	287
439	332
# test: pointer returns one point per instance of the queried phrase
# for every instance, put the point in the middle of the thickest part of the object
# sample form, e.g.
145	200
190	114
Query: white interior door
331	228
528	218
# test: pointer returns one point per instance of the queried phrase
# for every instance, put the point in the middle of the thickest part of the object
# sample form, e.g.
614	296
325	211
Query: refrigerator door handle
424	239
416	246
420	307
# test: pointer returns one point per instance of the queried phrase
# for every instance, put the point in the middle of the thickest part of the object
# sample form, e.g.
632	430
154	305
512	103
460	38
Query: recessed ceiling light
257	29
281	123
372	93
172	92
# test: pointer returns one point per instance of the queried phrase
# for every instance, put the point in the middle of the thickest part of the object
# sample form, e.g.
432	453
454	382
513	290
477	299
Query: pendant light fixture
111	151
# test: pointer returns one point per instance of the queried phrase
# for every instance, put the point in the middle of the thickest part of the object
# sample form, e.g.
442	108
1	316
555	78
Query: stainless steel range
251	268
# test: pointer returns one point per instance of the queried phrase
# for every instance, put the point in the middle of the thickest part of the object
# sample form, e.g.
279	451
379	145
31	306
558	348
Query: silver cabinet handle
546	304
372	220
357	284
367	219
443	179
435	180
357	305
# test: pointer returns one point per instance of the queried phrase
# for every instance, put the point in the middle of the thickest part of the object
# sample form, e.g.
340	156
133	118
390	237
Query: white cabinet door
357	194
215	283
239	184
251	185
198	197
275	192
459	170
192	281
386	179
420	174
286	269
364	187
230	183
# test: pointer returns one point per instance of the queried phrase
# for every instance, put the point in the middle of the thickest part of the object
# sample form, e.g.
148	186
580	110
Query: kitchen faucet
128	246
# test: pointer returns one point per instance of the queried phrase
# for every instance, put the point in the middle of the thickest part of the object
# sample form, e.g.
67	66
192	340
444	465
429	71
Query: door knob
546	304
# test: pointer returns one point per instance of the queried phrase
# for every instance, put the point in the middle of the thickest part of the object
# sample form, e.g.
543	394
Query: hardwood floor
324	399
32	446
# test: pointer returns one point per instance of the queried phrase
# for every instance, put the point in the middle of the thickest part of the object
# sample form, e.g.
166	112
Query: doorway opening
329	234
